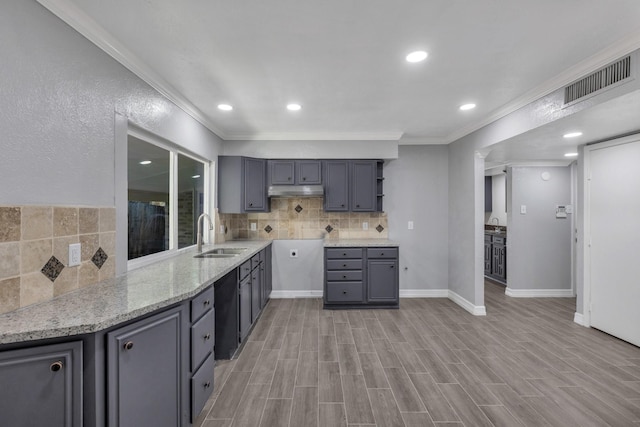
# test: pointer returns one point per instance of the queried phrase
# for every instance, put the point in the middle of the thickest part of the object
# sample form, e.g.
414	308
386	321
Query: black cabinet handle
357	206
344	265
344	292
344	254
207	384
250	204
128	345
207	303
344	277
289	178
207	337
392	266
56	366
304	178
342	205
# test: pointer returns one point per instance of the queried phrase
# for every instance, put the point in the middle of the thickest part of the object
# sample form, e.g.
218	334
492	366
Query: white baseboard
476	310
295	294
538	293
579	319
424	293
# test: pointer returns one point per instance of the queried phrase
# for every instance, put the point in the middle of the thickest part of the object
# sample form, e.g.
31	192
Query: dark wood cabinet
495	257
42	386
144	371
357	277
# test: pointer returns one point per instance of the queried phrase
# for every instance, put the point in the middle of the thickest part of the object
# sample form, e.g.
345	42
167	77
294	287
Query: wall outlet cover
254	226
75	251
365	225
293	253
410	225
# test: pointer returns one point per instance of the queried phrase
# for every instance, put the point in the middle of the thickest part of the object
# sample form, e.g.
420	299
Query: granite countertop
372	243
123	298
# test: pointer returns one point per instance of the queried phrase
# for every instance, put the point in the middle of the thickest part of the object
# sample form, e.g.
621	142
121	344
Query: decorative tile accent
52	268
380	228
268	229
298	208
329	228
99	258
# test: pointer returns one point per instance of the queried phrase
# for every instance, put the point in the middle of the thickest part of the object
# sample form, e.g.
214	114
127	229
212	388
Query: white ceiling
343	60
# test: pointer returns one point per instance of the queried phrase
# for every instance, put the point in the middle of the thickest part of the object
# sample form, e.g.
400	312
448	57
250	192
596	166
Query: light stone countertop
371	243
132	295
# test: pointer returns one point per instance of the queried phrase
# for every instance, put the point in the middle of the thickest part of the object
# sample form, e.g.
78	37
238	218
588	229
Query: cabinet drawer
487	238
255	261
201	303
344	276
382	253
344	292
498	240
340	253
201	387
346	264
245	269
202	339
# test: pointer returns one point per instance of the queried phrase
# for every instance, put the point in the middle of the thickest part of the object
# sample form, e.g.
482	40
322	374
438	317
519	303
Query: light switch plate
410	225
523	209
75	251
365	225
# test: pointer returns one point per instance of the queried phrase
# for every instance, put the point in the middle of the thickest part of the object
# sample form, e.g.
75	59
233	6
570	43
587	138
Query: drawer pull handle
56	366
344	277
128	345
207	337
207	384
250	204
344	265
344	292
344	254
357	206
207	303
342	205
392	266
381	253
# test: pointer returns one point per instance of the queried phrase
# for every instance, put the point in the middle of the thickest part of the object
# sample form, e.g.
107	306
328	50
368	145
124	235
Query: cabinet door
382	280
41	386
308	172
226	312
245	307
363	186
487	256
281	172
498	261
254	186
336	185
144	372
256	298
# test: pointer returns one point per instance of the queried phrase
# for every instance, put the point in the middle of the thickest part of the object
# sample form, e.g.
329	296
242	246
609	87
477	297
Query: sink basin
221	253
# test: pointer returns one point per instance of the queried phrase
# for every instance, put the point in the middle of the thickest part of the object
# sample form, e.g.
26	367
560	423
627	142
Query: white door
614	227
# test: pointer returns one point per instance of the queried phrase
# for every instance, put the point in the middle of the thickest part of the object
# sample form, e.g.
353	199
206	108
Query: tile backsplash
34	251
303	218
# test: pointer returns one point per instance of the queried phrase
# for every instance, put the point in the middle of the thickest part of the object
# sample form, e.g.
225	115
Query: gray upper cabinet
336	185
42	386
281	172
254	185
309	172
290	172
363	185
144	371
242	185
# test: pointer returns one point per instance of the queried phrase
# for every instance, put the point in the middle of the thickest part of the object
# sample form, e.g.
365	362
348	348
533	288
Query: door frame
586	244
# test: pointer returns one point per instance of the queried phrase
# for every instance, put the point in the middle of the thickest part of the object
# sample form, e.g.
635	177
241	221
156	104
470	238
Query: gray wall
416	189
538	243
59	96
301	274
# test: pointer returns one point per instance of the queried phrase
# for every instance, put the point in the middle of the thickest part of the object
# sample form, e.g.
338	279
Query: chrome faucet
199	235
497	223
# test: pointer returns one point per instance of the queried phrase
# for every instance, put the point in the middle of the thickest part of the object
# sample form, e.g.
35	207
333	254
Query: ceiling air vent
607	76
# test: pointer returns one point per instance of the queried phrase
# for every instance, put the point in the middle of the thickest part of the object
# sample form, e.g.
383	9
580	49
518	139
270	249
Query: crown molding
316	136
568	76
90	29
422	140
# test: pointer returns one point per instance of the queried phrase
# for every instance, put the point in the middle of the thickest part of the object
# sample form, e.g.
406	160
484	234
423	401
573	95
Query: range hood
296	191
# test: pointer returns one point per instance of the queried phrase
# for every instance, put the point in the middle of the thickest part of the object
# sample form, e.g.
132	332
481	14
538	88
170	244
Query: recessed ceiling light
417	56
145	162
570	154
225	107
466	107
294	107
195	176
572	134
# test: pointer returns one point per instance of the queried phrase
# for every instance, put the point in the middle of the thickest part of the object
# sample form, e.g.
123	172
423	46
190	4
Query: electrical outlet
523	209
75	251
293	253
365	225
254	226
410	225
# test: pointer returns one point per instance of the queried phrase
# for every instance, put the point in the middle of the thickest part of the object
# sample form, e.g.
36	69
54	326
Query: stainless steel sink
221	253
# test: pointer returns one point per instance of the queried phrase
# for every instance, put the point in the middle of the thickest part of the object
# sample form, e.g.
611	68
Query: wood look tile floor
430	363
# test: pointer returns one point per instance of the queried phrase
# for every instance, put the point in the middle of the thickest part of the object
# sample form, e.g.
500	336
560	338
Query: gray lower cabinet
256	293
361	277
144	374
244	307
495	257
41	386
202	343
